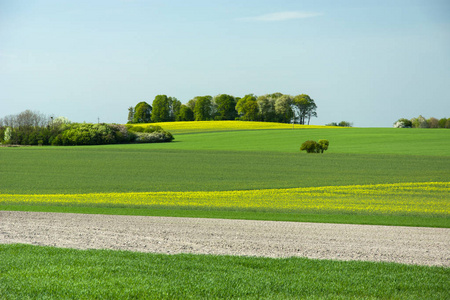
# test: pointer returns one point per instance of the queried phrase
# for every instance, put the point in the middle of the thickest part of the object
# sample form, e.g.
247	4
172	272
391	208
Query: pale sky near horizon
366	62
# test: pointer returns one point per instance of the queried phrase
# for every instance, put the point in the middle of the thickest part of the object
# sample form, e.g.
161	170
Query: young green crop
30	272
142	168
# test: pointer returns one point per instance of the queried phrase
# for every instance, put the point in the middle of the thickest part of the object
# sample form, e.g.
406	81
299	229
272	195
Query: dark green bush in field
323	145
310	146
315	147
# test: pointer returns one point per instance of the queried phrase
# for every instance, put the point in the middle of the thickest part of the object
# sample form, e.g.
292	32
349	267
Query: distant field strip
427	198
207	126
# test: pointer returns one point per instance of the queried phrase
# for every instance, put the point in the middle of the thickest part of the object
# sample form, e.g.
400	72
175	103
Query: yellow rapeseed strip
206	126
399	198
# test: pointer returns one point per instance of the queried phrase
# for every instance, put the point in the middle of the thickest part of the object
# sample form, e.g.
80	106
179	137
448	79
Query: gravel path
409	245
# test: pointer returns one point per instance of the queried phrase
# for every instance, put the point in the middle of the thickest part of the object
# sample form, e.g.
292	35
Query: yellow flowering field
206	126
429	198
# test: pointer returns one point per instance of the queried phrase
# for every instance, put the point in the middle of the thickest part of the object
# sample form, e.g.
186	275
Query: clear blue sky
367	62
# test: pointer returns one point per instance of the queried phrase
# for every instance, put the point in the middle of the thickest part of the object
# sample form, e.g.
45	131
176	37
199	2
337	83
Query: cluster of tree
269	108
32	128
341	124
315	147
421	122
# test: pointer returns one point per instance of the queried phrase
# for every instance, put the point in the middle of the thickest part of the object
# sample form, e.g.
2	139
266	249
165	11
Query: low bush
72	134
148	129
323	145
315	147
154	137
92	134
310	147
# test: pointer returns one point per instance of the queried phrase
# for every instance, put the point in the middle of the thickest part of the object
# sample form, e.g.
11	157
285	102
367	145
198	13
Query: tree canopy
142	113
276	107
203	108
305	108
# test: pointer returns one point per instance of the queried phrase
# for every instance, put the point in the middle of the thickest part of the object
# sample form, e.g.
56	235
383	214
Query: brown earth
408	245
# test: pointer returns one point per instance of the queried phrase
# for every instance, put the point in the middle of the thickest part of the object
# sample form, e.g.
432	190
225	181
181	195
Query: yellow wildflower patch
208	126
430	198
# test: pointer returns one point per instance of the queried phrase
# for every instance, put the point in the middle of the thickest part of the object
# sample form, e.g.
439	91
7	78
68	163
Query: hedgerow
82	134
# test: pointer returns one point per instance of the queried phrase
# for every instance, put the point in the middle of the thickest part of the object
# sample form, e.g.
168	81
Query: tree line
34	128
421	122
275	107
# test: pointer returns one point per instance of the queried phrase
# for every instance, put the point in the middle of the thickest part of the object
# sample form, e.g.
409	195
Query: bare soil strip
408	245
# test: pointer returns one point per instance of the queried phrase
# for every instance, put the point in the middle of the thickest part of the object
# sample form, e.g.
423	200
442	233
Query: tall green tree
247	108
185	114
266	105
161	109
225	107
175	108
191	103
165	108
203	108
304	108
142	113
283	109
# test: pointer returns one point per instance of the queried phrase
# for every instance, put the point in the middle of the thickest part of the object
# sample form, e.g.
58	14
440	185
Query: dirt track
409	245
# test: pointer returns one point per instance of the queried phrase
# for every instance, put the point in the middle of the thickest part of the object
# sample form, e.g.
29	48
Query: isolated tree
185	114
203	108
142	113
225	106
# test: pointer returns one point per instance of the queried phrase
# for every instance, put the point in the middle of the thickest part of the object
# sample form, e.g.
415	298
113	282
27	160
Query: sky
365	62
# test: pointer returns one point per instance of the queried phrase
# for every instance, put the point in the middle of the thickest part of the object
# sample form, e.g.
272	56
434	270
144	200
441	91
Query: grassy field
214	170
236	170
31	272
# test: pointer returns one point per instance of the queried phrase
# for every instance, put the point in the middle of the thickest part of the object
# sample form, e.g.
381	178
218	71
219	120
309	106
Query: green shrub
315	147
153	137
310	147
152	128
323	145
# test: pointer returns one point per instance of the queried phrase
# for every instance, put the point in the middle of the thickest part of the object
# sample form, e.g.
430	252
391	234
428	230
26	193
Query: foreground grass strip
426	198
32	272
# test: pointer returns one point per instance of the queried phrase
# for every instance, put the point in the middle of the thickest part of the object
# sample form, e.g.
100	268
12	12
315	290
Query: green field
31	272
223	160
237	160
